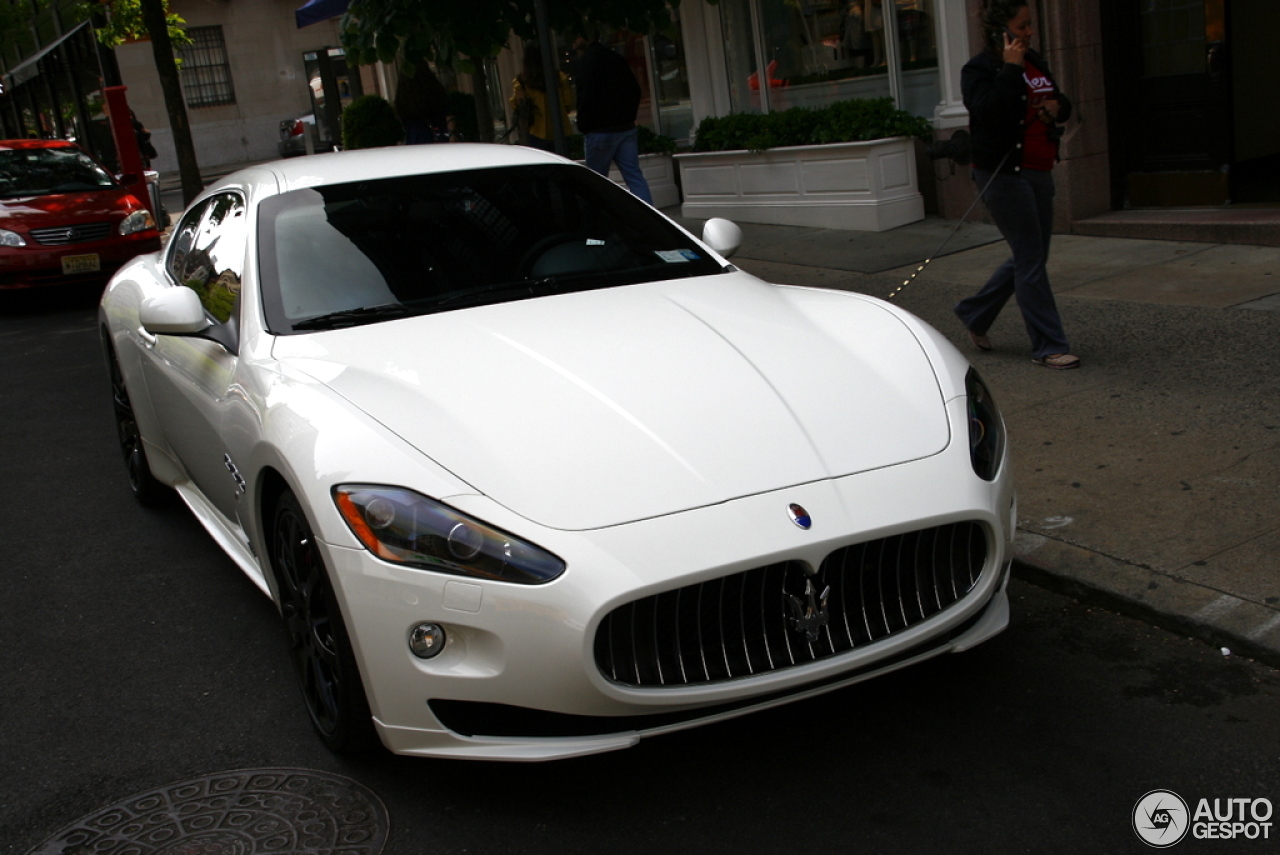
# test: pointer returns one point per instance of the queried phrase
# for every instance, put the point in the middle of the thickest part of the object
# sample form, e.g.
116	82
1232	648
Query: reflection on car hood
94	206
593	409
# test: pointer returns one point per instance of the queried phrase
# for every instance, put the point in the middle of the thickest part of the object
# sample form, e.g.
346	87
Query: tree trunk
153	15
480	87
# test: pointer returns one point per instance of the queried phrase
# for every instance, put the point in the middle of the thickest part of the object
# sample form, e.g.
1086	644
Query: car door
191	380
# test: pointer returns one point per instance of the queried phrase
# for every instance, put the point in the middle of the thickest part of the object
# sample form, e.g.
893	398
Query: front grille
746	624
63	235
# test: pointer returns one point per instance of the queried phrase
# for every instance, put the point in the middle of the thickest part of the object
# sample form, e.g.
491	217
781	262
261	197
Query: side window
208	253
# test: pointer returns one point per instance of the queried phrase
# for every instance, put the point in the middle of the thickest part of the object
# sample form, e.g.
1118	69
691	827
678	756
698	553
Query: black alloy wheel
146	489
318	642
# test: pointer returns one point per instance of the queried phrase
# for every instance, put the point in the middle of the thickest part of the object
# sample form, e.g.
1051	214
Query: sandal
1060	361
981	342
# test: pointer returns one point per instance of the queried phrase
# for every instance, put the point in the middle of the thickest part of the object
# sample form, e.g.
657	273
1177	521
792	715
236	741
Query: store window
205	71
809	53
674	114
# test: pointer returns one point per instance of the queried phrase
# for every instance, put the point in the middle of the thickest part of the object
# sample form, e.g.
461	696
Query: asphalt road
135	655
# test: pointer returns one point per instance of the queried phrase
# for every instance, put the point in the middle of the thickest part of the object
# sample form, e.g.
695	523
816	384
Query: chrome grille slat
684	675
739	625
65	235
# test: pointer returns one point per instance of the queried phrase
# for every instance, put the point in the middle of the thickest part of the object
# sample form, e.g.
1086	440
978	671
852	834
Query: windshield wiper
353	317
497	293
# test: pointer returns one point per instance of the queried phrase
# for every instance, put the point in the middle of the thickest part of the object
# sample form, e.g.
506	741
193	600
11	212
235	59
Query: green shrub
856	120
647	140
651	142
370	121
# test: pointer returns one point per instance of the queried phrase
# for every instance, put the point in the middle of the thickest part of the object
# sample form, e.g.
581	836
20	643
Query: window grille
205	71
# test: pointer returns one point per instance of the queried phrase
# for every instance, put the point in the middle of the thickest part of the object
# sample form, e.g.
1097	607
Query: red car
64	218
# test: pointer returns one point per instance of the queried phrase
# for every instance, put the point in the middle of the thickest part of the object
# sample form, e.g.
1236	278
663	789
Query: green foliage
370	121
856	120
444	32
648	141
654	143
121	20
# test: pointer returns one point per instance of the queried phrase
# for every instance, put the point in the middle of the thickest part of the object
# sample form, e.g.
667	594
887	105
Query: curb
1223	620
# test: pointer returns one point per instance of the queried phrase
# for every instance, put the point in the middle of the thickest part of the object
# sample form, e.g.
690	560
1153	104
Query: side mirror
722	235
177	311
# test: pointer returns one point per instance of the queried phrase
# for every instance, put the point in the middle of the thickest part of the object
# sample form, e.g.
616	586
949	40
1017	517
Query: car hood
594	409
58	208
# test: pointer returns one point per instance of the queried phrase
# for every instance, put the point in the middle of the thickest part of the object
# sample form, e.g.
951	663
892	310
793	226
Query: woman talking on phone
1015	114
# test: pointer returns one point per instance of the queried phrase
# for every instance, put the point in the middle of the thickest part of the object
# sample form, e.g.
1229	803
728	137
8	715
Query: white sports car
530	472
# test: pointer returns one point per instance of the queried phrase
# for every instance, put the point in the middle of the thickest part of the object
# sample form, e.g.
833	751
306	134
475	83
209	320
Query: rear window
346	254
48	171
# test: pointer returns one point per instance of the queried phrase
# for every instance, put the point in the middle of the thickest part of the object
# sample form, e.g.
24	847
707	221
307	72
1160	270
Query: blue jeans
1021	204
621	148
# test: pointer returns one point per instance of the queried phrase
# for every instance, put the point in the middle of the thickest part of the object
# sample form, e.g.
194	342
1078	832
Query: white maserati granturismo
531	472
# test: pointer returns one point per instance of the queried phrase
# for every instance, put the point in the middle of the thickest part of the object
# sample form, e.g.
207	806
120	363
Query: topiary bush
369	122
856	120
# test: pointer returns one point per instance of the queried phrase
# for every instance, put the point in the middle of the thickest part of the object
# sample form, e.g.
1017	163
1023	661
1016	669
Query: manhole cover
248	812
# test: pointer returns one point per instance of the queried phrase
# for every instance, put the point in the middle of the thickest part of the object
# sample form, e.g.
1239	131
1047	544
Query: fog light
426	640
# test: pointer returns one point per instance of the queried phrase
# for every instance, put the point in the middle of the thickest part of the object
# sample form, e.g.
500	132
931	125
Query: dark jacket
608	93
995	94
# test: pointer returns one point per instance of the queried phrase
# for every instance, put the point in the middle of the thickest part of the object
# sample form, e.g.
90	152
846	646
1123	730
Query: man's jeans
621	148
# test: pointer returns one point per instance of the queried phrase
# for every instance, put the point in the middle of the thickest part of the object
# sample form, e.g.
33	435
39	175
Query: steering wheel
539	249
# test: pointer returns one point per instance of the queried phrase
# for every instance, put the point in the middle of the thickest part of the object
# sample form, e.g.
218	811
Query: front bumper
36	266
518	678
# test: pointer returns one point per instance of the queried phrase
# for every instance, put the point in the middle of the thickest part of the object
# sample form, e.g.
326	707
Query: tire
146	489
318	642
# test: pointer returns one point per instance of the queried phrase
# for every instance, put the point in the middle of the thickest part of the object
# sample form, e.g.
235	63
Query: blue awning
315	11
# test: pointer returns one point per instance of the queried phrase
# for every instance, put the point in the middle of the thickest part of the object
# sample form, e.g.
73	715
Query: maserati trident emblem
800	516
809	615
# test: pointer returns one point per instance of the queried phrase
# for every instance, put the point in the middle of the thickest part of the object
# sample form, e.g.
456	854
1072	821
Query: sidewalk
1147	479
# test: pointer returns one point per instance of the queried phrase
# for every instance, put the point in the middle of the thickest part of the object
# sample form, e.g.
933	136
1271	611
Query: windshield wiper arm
353	317
480	296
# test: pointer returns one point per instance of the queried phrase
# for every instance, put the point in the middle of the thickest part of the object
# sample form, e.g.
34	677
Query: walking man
608	98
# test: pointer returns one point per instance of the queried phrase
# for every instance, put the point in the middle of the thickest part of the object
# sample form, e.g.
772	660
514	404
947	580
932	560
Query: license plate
87	263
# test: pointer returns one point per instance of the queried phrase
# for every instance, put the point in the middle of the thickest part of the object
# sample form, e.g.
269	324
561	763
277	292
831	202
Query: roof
341	167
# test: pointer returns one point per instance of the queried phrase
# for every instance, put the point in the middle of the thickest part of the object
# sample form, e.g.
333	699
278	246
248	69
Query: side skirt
229	535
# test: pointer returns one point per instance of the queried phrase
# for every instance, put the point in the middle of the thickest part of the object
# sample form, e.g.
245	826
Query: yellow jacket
540	127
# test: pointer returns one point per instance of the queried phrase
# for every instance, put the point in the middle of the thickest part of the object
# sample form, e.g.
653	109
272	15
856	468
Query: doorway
1188	109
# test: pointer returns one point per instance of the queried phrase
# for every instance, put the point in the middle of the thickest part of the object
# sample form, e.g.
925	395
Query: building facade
249	68
1171	108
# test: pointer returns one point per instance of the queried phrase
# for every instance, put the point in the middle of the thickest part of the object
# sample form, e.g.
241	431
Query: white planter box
861	186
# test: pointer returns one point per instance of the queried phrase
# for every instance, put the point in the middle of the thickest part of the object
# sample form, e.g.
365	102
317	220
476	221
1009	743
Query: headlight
138	221
8	238
404	527
986	428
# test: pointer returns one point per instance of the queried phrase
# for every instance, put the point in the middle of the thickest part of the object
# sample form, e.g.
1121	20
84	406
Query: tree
462	35
118	21
155	18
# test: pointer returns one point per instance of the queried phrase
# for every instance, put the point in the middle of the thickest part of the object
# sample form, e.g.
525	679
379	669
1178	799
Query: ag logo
1161	819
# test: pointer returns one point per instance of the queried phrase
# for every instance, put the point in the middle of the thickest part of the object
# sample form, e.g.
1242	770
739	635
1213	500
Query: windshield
46	171
359	253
